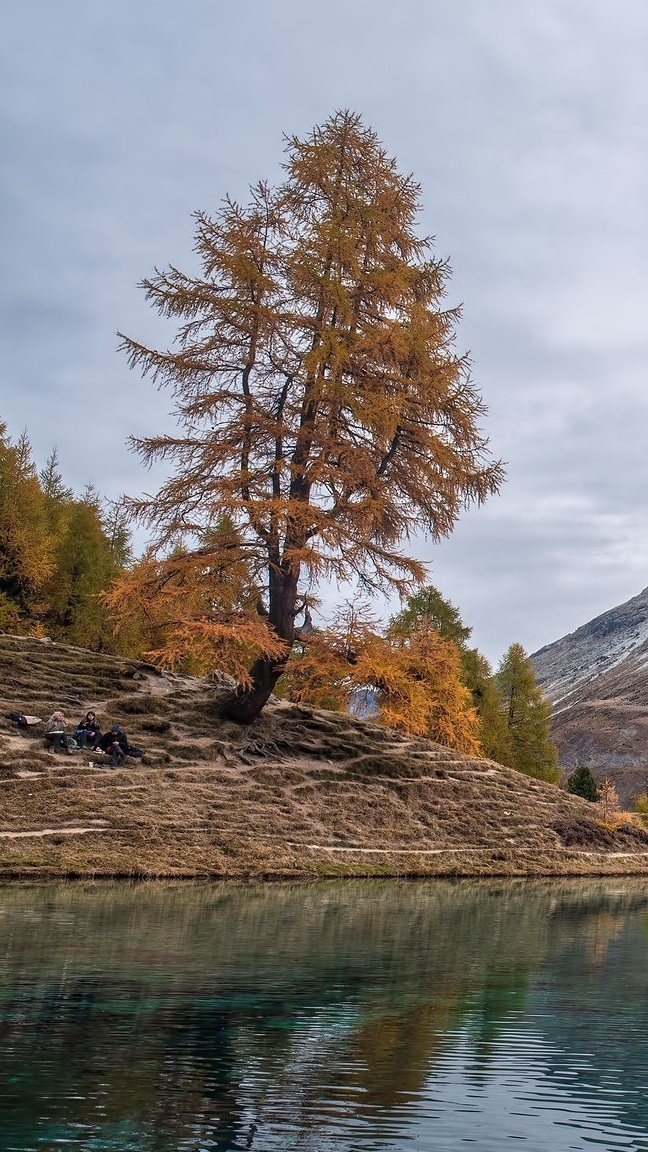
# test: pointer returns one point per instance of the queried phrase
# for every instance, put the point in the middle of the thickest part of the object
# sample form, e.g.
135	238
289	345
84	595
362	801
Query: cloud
527	127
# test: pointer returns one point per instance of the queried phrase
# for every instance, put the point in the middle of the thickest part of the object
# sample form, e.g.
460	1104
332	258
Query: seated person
55	734
88	731
115	744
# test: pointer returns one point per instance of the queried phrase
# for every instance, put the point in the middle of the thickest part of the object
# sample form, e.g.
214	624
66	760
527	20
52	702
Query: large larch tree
322	407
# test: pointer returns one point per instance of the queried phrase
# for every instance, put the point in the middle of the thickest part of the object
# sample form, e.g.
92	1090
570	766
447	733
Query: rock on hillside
596	680
299	793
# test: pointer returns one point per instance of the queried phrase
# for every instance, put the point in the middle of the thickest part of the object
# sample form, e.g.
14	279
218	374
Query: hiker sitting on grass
115	744
55	734
88	731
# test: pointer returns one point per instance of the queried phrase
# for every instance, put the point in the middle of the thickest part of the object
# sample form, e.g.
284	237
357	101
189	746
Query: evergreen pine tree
494	738
527	714
428	607
582	783
57	554
56	497
52	481
25	543
86	561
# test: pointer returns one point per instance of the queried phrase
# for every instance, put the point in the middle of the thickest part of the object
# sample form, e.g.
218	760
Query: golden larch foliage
321	404
415	682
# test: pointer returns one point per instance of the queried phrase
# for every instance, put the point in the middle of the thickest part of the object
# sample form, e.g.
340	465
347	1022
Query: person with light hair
55	733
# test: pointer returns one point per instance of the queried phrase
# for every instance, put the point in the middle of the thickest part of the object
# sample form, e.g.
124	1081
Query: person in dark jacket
88	731
115	744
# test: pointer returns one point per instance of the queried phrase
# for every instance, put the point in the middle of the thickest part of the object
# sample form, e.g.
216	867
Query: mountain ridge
595	677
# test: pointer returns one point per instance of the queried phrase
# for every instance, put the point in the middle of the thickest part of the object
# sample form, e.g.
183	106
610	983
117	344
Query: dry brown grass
299	793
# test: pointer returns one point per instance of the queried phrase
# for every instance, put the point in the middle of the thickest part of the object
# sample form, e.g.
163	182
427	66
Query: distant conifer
527	716
582	783
25	543
57	553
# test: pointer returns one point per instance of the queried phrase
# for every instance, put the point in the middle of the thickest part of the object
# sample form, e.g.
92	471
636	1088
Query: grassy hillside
299	793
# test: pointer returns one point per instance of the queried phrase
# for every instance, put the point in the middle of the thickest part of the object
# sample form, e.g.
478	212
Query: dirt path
54	832
390	851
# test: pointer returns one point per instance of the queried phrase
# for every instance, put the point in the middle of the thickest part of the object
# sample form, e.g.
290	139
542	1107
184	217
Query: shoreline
563	867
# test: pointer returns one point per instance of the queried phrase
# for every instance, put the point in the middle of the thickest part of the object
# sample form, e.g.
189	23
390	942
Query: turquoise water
342	1017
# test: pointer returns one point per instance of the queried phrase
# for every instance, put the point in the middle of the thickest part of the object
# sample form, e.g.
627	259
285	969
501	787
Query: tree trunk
245	704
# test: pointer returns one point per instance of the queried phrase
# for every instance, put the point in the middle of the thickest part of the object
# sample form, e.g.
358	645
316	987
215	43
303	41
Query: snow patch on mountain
605	643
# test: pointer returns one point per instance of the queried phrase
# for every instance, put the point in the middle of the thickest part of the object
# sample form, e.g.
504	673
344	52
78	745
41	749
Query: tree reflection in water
190	1017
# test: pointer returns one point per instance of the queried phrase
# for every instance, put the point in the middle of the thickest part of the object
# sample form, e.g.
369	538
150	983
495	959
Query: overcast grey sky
527	126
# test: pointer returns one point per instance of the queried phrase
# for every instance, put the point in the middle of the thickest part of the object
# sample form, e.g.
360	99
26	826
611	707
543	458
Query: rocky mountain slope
596	678
300	793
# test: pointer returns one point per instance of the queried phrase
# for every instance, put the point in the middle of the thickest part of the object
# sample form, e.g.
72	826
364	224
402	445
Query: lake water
337	1017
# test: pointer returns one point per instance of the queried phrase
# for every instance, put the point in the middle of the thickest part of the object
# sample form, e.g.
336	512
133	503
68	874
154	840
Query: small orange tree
321	404
608	799
429	610
414	677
